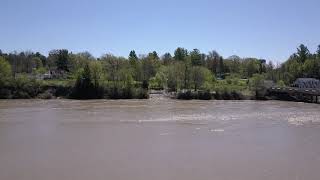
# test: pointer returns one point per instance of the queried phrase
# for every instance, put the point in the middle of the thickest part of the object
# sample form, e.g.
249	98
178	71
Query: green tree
200	76
133	58
187	72
96	72
180	54
159	80
281	83
292	67
232	64
270	71
262	66
42	58
135	65
175	76
167	59
249	67
302	53
29	62
84	87
150	64
112	65
154	55
213	61
256	81
311	68
196	58
38	62
220	70
60	58
79	61
5	71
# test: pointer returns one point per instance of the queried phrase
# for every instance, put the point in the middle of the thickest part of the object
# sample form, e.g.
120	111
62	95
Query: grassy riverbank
25	88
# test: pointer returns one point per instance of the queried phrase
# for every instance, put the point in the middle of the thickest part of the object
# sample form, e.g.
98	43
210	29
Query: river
159	139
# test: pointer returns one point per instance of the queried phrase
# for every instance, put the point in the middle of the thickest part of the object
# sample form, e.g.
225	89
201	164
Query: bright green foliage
158	81
96	72
200	76
281	83
5	71
311	68
249	67
112	66
232	65
256	81
38	63
175	76
135	66
78	61
41	70
300	64
150	65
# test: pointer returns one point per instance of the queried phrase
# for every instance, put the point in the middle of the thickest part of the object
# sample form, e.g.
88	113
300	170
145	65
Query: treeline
302	64
110	76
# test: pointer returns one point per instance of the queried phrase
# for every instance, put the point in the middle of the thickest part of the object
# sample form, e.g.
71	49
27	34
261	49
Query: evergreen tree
133	57
302	53
221	68
84	87
180	54
167	58
195	57
155	55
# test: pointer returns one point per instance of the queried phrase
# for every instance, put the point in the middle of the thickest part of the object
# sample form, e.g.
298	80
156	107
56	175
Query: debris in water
164	134
216	130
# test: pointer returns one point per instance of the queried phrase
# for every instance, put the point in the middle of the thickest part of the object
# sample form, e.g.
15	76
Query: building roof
307	83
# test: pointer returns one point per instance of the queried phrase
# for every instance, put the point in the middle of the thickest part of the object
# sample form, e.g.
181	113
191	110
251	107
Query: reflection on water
158	139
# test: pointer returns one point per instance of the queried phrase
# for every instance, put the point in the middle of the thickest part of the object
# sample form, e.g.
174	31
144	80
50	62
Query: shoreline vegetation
184	75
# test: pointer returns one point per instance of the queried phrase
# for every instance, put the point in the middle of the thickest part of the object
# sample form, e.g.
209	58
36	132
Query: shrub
185	95
204	95
281	83
45	95
5	93
141	94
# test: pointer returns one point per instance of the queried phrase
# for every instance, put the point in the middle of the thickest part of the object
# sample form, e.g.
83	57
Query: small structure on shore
307	83
55	74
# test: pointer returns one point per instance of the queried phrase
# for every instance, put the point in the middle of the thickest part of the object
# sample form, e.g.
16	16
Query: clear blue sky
270	29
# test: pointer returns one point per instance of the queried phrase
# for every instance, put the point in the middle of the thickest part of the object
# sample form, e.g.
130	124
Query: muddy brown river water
159	139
